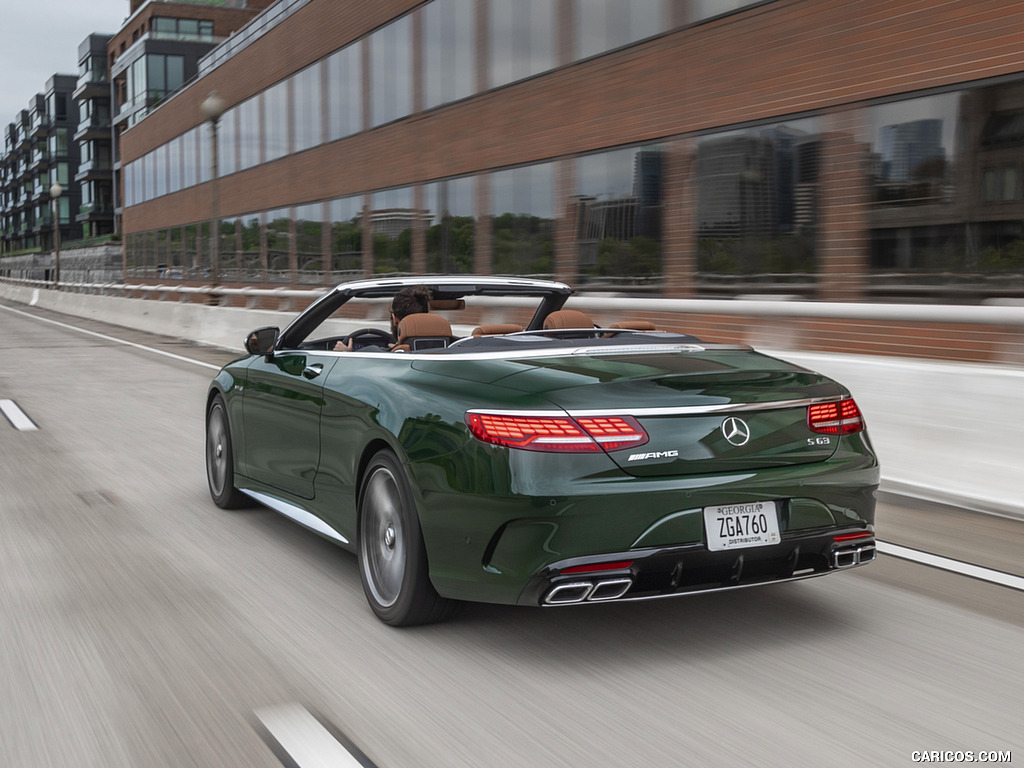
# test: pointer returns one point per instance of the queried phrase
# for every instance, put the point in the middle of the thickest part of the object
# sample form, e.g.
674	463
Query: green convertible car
552	464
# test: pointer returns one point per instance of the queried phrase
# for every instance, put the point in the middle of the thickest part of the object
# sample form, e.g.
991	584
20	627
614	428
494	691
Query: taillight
838	418
852	536
613	433
557	434
618	565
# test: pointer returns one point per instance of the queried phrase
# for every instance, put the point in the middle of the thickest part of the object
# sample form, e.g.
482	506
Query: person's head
409	301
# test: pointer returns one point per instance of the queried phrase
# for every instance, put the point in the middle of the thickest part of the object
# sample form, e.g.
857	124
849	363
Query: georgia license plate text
735	526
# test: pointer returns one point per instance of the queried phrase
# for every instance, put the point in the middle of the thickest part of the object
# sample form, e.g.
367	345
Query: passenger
408	301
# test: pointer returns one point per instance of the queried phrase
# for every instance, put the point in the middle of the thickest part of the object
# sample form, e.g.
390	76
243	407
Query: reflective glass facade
915	183
756	193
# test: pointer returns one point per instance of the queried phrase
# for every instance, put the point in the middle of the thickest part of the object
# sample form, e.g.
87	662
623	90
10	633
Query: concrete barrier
947	432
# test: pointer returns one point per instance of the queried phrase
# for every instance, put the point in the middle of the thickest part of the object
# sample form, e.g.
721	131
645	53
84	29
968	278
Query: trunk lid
710	411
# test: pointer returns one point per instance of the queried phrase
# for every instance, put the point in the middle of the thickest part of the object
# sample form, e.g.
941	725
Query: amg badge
654	455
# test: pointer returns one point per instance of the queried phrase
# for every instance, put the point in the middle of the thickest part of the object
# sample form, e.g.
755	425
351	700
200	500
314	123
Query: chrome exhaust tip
851	556
569	593
611	589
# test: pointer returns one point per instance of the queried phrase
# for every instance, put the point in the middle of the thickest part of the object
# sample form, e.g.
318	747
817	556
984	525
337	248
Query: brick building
830	149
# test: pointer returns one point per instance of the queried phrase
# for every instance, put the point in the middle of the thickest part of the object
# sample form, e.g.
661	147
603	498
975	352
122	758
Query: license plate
736	526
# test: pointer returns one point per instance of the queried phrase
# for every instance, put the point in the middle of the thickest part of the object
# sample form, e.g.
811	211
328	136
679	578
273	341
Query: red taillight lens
613	433
619	565
531	433
841	418
557	434
853	536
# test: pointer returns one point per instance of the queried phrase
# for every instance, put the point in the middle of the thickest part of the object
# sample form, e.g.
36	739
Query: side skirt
296	513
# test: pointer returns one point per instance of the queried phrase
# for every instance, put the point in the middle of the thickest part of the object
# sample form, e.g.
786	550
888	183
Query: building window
165	75
251	253
275	122
309	244
278	234
451	226
756	193
345	93
174	165
618	215
523	223
392	220
346	221
306	88
182	29
449	51
391	71
602	25
522	39
189	159
911	149
249	133
227	142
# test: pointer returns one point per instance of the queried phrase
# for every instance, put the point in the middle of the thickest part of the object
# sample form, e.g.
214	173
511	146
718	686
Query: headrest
567	318
497	329
447	303
635	325
422	324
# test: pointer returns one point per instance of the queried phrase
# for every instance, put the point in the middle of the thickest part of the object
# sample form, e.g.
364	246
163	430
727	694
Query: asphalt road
141	626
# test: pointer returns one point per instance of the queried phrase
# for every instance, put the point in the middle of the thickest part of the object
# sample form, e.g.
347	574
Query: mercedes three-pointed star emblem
736	431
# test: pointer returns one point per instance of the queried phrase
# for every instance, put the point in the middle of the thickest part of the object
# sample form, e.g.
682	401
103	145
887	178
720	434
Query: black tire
392	557
220	458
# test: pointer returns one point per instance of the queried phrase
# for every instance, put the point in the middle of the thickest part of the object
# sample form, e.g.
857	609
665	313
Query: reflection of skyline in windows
906	148
528	190
619	197
757	183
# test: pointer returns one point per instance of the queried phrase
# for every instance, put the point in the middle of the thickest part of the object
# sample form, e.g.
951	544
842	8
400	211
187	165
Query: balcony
95	212
41	159
41	125
93	128
92	86
94	170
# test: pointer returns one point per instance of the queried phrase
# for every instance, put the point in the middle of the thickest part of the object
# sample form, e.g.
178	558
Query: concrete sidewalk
946	432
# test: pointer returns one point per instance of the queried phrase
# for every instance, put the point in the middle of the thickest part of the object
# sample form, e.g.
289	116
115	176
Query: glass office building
672	147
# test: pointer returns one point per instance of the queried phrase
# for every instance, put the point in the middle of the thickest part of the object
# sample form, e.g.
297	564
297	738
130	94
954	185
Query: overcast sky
41	39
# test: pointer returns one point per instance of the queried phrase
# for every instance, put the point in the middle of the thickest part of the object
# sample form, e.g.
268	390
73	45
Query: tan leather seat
423	330
567	318
496	329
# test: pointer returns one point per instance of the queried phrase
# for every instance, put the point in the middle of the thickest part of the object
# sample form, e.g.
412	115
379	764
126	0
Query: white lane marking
306	741
948	564
113	339
19	420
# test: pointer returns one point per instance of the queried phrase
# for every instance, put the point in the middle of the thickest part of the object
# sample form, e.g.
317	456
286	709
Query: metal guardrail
1000	312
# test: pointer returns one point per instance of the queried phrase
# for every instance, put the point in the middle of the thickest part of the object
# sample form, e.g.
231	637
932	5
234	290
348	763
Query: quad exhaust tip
575	592
848	557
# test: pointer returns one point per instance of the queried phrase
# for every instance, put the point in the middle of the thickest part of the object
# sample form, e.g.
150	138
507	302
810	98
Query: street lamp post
213	107
56	190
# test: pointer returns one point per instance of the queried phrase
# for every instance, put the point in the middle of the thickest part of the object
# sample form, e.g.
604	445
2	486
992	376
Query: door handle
312	371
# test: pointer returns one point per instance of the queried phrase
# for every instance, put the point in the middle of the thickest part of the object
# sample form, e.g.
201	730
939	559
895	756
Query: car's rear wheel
220	462
392	557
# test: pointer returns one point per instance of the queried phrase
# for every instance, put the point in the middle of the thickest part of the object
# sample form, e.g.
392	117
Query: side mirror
262	341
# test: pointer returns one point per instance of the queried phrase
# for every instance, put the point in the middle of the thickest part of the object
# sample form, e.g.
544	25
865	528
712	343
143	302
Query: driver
408	301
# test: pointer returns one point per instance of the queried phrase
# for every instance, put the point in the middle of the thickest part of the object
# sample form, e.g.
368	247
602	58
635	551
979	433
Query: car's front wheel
220	463
392	557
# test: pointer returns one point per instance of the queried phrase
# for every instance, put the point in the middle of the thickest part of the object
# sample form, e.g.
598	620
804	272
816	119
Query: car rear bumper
682	570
